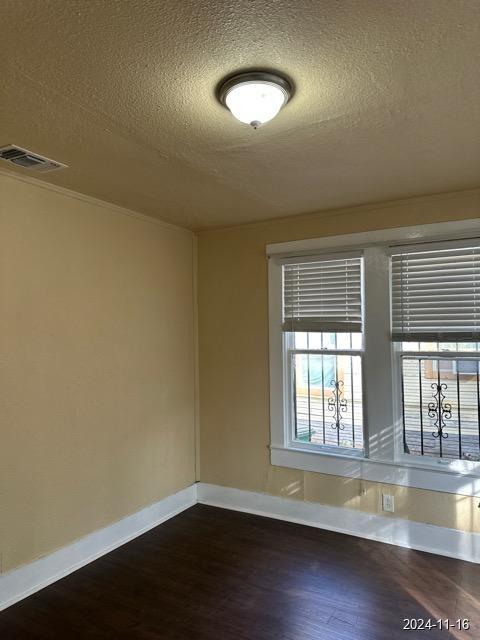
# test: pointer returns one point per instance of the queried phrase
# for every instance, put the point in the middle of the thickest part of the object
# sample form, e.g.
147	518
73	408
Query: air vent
28	160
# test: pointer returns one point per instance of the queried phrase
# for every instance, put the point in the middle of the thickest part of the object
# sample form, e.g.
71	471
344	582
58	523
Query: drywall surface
96	367
234	385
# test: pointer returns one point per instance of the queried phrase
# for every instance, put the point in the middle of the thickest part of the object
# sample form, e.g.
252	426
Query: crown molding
69	193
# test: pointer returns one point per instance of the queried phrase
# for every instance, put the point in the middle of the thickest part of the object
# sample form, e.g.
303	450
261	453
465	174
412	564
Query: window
322	333
326	374
375	357
436	320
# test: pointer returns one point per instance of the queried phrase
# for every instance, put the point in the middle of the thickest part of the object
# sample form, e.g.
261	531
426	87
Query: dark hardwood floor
212	574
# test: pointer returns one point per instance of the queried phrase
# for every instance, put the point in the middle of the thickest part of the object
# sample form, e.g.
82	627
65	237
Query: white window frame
383	459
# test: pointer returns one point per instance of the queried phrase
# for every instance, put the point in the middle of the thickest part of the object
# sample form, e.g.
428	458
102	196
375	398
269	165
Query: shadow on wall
419	505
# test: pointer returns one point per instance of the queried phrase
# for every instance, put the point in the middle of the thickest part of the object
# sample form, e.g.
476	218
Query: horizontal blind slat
436	294
323	295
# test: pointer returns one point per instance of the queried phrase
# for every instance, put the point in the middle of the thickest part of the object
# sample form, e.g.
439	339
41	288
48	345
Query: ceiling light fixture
255	97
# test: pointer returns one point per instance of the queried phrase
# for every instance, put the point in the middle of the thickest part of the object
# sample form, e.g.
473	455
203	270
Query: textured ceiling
387	101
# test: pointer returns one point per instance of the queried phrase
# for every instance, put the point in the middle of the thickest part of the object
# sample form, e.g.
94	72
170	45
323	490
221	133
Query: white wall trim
449	230
403	533
441	479
22	582
96	202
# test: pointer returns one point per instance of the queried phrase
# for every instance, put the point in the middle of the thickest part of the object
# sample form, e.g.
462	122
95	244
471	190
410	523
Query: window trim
384	461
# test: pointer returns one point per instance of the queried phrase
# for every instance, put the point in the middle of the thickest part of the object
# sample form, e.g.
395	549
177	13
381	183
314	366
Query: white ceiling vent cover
28	160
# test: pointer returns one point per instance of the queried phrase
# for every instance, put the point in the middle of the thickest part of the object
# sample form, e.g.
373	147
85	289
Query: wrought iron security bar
441	405
327	397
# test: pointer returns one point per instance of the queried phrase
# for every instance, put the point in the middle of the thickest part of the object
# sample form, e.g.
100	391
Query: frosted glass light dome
255	98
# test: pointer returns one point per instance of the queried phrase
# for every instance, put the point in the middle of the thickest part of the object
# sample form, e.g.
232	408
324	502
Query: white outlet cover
388	502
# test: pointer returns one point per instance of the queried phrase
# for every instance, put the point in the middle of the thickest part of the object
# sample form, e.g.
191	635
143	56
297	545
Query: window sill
416	475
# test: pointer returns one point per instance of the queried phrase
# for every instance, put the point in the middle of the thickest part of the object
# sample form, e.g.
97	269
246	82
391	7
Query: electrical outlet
388	502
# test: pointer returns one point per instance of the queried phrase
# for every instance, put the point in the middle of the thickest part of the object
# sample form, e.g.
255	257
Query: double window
375	353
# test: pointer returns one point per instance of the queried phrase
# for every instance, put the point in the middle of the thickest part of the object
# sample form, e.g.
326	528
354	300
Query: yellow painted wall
233	348
96	367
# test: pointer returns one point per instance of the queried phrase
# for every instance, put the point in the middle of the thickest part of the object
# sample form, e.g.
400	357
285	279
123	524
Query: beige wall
96	367
233	330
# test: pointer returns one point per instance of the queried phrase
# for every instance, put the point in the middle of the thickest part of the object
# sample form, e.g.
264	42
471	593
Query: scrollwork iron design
337	405
439	410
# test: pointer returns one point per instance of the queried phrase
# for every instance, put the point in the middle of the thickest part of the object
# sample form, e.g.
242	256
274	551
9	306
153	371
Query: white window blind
436	294
323	294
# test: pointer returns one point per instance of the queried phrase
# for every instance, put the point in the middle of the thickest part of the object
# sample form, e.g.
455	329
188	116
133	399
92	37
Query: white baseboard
22	582
404	533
